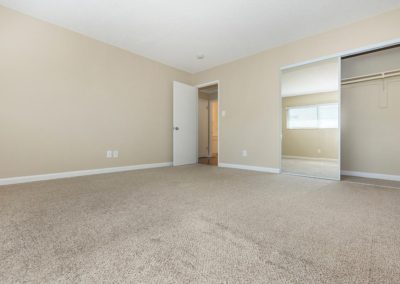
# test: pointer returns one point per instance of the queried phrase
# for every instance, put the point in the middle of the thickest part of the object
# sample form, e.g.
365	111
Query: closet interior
370	116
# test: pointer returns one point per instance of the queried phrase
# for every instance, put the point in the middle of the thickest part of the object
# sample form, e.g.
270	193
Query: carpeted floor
199	224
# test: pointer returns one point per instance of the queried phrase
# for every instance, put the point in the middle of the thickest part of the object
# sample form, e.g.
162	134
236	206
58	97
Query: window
314	116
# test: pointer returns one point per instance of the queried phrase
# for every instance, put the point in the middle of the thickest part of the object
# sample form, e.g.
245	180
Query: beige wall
312	143
66	99
250	88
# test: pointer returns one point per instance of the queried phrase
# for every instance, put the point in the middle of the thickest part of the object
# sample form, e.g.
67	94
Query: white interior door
185	110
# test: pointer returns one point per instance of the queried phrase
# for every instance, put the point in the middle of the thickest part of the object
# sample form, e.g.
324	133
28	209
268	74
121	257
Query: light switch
223	113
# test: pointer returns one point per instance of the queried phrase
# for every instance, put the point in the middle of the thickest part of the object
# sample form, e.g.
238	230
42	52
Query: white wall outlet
109	154
223	113
244	153
115	154
319	151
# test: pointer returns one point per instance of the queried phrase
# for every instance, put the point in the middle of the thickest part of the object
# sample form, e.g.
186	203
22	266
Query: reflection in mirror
310	120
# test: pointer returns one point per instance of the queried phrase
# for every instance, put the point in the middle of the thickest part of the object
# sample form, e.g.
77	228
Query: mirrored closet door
310	96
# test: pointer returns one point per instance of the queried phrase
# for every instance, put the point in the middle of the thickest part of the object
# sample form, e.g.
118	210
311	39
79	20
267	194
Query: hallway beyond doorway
208	125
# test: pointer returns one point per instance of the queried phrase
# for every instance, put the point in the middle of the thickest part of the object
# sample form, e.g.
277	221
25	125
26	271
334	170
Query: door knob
176	128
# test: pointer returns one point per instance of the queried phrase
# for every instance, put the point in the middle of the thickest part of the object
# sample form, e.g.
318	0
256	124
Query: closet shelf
370	77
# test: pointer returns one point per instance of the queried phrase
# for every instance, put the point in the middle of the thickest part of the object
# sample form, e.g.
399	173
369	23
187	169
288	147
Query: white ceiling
174	32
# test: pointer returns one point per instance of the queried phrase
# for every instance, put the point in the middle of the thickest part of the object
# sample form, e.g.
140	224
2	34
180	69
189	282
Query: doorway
208	125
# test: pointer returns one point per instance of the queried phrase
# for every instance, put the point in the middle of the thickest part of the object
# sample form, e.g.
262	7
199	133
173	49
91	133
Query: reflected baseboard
250	168
309	158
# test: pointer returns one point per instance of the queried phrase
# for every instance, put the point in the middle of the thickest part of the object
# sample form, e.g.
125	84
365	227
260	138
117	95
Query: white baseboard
25	179
250	168
371	175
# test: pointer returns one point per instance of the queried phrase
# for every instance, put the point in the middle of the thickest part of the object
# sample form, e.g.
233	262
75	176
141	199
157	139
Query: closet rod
370	77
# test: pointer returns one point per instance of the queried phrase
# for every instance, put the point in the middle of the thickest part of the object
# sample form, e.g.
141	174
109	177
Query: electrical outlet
115	154
244	153
319	151
223	113
109	154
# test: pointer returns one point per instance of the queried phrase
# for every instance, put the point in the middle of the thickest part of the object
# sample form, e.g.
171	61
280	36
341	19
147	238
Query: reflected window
328	116
314	116
302	117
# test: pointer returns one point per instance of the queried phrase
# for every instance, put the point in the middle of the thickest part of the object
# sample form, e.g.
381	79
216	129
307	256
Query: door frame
210	83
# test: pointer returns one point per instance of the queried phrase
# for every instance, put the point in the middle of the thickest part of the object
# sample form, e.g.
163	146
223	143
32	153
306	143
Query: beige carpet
199	224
